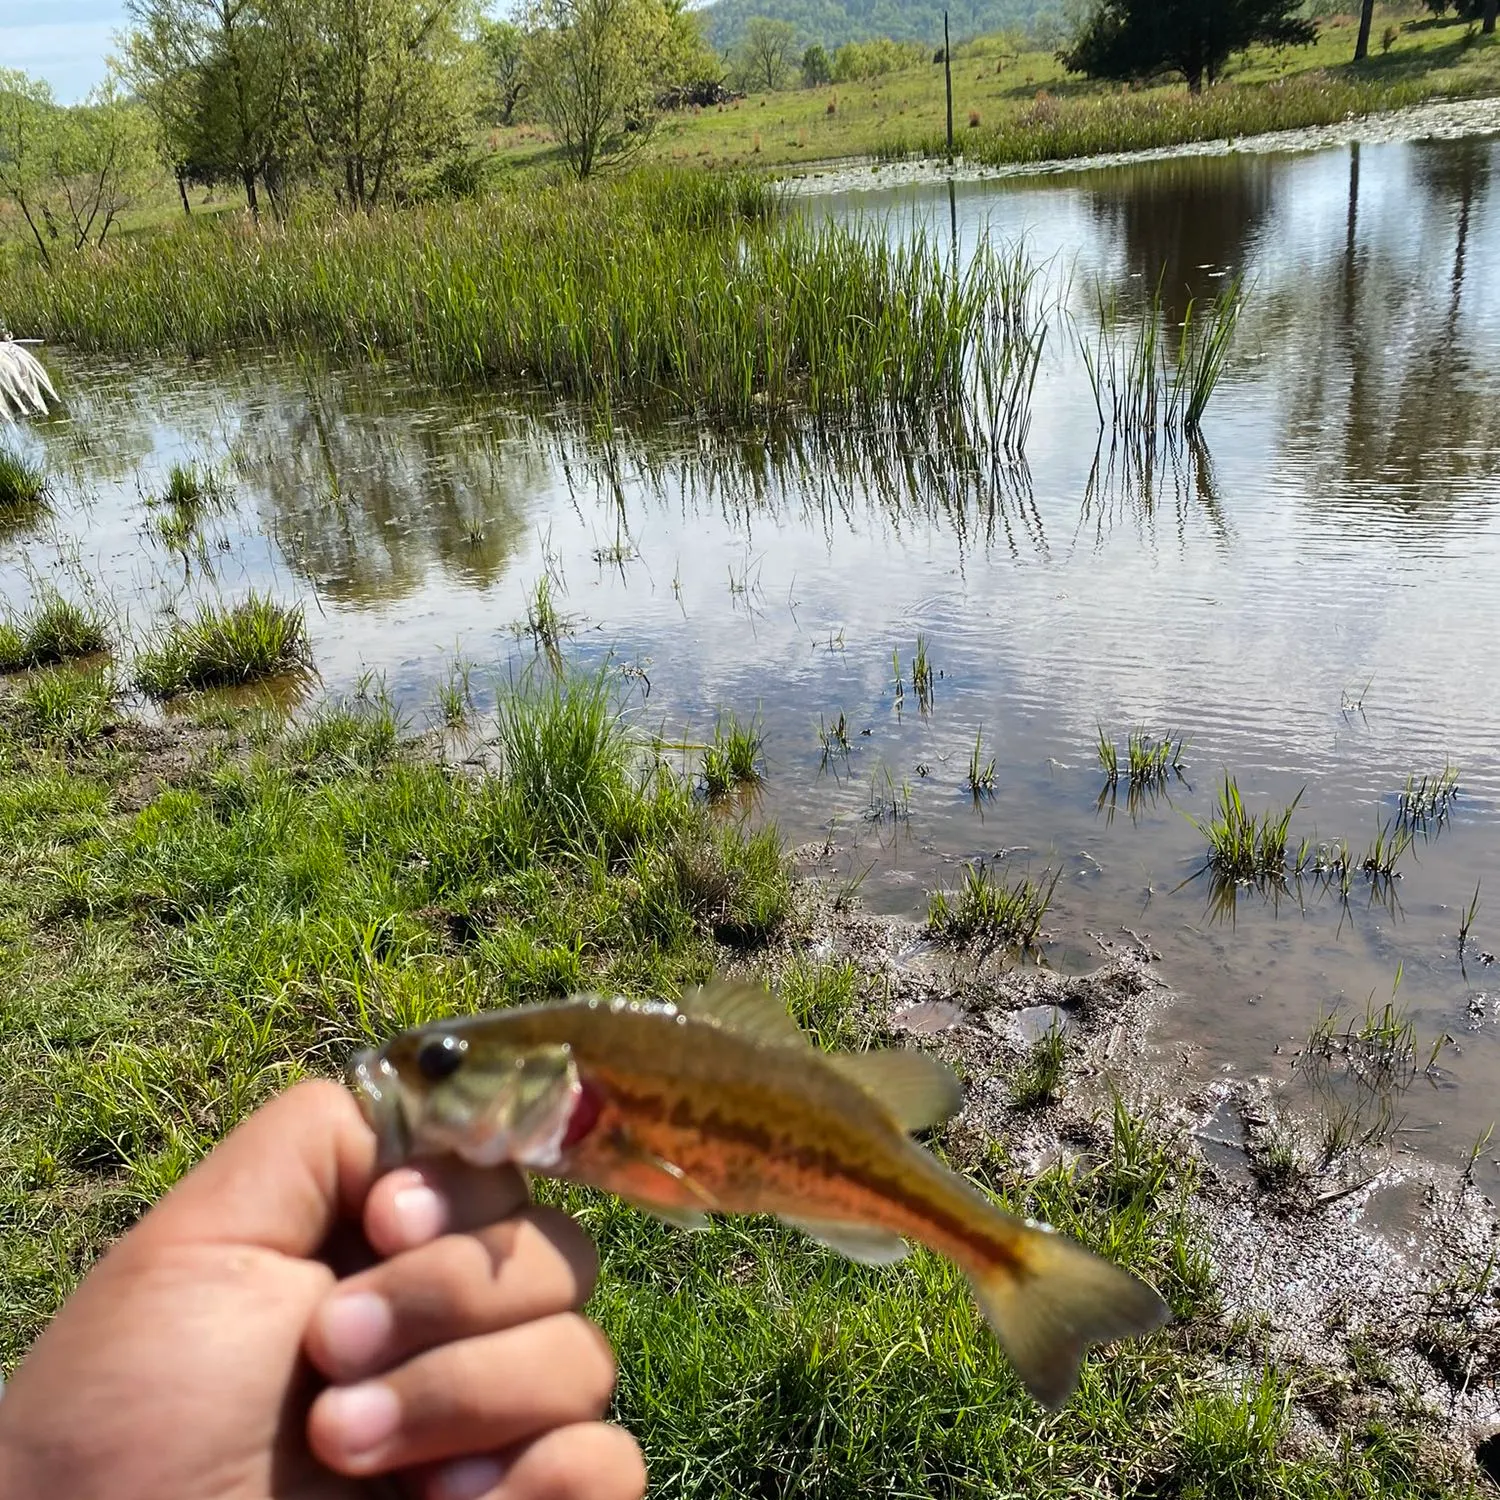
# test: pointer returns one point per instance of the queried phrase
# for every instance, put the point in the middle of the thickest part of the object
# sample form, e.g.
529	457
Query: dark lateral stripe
681	1115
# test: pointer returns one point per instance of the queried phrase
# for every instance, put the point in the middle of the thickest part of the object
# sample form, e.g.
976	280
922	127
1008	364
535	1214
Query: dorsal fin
748	1009
919	1090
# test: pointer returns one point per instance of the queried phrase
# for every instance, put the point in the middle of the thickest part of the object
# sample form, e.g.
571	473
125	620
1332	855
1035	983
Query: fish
717	1103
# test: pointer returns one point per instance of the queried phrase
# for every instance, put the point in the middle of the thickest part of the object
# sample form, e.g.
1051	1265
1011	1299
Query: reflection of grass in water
733	759
53	629
220	646
985	908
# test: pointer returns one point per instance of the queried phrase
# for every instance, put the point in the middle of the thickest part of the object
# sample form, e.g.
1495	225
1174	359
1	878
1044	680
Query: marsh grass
1150	761
1426	800
1390	842
223	646
833	739
991	911
922	676
54	629
1243	845
23	484
454	705
732	761
666	289
192	492
980	778
545	623
64	706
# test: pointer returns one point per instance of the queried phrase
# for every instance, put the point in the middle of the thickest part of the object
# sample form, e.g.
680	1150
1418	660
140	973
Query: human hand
215	1353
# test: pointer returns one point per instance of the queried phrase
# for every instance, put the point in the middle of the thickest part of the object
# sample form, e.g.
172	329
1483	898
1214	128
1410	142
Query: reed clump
1243	845
222	646
662	288
732	761
23	484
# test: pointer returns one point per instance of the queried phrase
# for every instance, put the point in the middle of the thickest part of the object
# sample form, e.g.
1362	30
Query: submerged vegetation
220	646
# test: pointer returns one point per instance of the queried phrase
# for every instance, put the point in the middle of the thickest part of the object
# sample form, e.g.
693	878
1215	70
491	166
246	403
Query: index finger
280	1180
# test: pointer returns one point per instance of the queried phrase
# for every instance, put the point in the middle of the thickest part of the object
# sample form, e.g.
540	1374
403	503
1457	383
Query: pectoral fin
861	1242
918	1089
657	1187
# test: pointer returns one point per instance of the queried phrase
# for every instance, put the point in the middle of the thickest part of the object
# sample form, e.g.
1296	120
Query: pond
1309	594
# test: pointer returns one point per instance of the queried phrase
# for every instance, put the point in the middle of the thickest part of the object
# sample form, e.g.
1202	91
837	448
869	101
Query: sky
63	41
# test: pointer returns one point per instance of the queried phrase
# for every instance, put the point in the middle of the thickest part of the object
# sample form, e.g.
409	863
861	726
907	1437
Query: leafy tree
816	69
875	58
1136	38
70	172
598	68
767	53
385	91
217	77
504	49
1466	10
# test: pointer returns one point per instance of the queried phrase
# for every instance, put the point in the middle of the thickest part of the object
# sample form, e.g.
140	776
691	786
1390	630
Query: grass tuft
23	484
53	630
1243	845
989	910
733	759
1036	1083
223	646
64	706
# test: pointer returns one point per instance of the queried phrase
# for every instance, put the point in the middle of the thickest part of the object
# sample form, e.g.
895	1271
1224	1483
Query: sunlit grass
733	759
1243	845
52	629
223	645
23	483
990	910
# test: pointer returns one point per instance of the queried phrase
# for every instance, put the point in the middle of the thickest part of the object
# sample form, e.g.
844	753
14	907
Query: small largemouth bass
719	1104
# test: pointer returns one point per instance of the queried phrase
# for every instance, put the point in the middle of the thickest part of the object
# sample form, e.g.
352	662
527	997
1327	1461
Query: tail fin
1060	1300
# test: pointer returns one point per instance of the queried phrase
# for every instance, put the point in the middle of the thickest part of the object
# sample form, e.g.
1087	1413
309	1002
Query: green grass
979	780
1029	108
64	705
989	910
1243	845
23	484
288	892
732	761
667	289
53	629
1426	800
1037	1080
223	646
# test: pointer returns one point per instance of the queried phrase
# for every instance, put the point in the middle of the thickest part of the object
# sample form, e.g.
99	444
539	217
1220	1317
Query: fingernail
363	1416
356	1327
420	1214
467	1479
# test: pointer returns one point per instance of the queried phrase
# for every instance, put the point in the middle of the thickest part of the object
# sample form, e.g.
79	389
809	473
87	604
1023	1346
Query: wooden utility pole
948	82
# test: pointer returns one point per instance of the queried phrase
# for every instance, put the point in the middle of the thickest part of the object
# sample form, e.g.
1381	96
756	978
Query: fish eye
441	1057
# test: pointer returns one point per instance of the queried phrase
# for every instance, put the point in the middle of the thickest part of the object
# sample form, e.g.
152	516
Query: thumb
280	1180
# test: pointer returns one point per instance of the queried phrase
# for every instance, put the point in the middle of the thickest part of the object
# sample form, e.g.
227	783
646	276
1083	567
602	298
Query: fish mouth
378	1090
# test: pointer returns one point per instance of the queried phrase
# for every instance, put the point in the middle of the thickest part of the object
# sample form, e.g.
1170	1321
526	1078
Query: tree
385	91
598	67
767	53
70	172
816	69
1135	38
217	77
504	49
1366	19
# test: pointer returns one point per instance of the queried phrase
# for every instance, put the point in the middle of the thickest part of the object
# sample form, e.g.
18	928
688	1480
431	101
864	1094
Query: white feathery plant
24	387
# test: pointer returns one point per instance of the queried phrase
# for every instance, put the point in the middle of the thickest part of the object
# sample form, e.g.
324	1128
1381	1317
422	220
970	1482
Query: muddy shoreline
1369	1278
1444	120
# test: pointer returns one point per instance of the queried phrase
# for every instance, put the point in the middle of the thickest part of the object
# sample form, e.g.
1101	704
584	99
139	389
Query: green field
996	87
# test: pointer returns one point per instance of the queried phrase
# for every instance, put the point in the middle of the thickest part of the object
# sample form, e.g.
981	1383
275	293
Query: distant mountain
834	22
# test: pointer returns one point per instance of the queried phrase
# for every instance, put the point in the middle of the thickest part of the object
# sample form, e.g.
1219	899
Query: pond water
1310	596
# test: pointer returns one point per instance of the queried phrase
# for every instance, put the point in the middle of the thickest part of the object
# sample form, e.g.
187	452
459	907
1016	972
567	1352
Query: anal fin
862	1242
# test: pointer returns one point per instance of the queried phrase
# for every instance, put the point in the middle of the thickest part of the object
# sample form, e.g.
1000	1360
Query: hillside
834	22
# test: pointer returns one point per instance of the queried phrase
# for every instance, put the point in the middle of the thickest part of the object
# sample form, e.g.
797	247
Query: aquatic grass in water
1425	801
1036	1082
23	484
1243	845
222	646
53	629
987	909
733	759
1152	762
653	289
64	706
980	780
